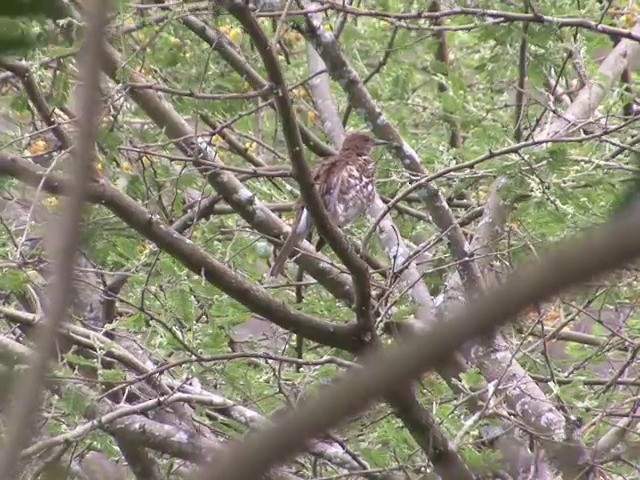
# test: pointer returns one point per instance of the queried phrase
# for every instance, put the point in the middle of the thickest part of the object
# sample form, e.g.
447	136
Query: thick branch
592	95
194	258
341	72
326	228
233	191
422	425
575	260
67	238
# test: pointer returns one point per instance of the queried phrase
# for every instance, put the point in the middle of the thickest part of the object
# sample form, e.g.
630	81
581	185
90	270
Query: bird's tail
298	232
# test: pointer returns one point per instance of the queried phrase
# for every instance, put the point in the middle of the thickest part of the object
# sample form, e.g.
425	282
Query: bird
346	184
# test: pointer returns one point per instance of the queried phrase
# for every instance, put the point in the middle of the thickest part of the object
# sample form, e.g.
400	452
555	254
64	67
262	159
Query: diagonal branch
67	238
469	273
326	228
321	94
388	233
486	232
596	251
238	196
359	97
232	190
493	357
422	425
240	64
592	95
195	259
12	352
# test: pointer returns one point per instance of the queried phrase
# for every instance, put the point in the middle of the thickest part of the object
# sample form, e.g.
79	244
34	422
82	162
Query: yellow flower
38	147
235	34
127	167
50	202
294	36
628	20
300	92
98	166
552	316
312	116
250	146
142	249
380	24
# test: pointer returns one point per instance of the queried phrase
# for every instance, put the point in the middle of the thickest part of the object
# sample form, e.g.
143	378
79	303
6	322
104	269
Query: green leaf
13	280
75	402
16	36
111	375
31	8
473	378
81	361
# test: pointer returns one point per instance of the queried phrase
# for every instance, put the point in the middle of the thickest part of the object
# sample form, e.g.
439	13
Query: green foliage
30	8
22	22
74	401
553	191
17	35
13	280
473	378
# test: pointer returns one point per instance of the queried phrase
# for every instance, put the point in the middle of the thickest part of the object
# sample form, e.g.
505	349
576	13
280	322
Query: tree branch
341	72
594	252
66	237
194	258
326	228
590	97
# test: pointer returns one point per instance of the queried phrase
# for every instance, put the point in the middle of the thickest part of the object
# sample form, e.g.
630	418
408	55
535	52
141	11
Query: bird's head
360	143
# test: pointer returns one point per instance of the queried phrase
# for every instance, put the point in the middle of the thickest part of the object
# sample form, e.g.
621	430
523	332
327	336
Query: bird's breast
352	193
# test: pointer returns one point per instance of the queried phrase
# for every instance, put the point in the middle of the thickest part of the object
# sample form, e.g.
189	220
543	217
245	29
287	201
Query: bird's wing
330	179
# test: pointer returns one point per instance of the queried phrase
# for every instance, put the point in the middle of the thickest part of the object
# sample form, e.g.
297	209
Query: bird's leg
299	299
300	274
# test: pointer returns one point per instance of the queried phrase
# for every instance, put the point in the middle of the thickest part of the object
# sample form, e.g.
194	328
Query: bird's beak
378	142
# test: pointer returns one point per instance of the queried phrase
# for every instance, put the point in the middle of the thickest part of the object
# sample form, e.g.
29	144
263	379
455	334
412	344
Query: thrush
345	182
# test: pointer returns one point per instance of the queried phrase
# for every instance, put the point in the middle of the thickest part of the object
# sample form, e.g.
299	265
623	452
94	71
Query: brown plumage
346	186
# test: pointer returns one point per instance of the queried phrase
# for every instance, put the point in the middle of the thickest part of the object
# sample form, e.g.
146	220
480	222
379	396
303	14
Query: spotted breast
346	186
